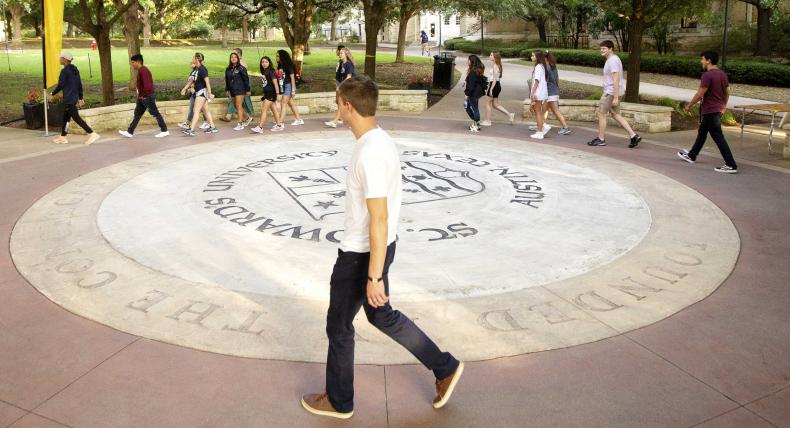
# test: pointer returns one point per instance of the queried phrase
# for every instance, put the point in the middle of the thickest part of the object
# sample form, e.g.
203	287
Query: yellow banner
53	39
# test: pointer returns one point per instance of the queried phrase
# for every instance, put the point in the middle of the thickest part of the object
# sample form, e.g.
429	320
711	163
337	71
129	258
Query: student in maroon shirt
146	99
714	89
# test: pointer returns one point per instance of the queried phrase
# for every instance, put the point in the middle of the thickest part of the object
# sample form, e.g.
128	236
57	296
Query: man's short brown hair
362	93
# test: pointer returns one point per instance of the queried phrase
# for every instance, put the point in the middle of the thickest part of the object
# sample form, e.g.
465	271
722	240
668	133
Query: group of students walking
544	97
278	85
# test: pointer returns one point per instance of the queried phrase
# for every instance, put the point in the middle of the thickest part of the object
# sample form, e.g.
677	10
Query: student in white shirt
613	87
359	278
539	93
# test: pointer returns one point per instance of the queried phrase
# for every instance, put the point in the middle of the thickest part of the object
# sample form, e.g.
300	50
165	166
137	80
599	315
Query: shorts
606	105
270	96
553	99
494	90
202	93
287	90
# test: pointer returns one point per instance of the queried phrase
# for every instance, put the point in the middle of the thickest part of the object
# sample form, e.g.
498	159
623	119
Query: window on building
688	23
457	19
447	20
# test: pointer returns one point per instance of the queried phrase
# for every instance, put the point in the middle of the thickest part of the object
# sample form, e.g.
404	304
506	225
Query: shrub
755	72
728	119
198	29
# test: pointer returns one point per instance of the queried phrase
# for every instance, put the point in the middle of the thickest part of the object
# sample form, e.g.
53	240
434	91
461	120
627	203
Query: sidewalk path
514	89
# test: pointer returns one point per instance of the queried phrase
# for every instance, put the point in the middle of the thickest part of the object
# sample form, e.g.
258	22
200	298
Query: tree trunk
297	27
541	24
37	26
763	47
146	28
405	14
70	30
131	31
371	44
333	31
224	32
306	49
17	12
245	29
105	58
634	60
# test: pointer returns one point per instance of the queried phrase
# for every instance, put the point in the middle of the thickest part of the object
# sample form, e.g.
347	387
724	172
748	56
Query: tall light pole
726	27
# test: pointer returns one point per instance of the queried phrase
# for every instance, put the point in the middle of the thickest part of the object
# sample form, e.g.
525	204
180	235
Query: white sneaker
331	124
546	128
533	127
183	125
60	140
511	117
205	125
247	122
485	123
238	127
279	127
257	130
92	138
537	136
297	122
162	134
126	134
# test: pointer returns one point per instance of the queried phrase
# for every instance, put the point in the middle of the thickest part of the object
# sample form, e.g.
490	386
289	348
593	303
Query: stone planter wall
119	116
641	117
786	150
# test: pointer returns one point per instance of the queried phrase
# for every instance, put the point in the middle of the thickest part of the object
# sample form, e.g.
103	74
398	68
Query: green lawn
171	65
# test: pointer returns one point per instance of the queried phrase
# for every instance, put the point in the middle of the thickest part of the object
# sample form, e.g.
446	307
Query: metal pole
44	58
482	40
7	54
726	27
440	33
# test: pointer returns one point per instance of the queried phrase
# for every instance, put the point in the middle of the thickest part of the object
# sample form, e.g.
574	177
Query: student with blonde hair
345	71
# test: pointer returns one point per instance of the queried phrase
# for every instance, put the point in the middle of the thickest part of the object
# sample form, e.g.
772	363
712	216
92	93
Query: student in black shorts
494	89
203	96
271	90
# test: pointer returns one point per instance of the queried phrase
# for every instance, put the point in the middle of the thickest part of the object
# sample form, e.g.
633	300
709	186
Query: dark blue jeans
148	103
347	294
473	109
711	124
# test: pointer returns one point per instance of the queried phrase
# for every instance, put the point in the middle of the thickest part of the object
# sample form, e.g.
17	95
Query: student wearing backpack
345	70
424	43
474	87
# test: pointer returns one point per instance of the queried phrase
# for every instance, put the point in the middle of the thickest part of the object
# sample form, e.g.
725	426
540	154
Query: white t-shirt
374	172
613	65
539	74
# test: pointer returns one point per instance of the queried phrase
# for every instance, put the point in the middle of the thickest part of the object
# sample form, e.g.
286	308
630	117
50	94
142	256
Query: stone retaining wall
786	150
641	117
119	116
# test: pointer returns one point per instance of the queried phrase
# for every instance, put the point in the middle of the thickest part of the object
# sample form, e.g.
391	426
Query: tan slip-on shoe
92	138
446	386
318	404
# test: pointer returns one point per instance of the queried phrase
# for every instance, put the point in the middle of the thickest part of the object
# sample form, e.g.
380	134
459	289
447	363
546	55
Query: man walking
70	83
146	99
359	278
613	86
714	90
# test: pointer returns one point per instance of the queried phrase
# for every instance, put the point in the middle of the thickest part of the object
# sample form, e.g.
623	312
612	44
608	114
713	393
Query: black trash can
443	66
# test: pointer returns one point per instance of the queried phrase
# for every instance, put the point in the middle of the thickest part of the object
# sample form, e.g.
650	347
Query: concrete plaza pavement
720	362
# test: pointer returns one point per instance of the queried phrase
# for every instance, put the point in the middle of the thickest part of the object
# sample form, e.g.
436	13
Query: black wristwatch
375	281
